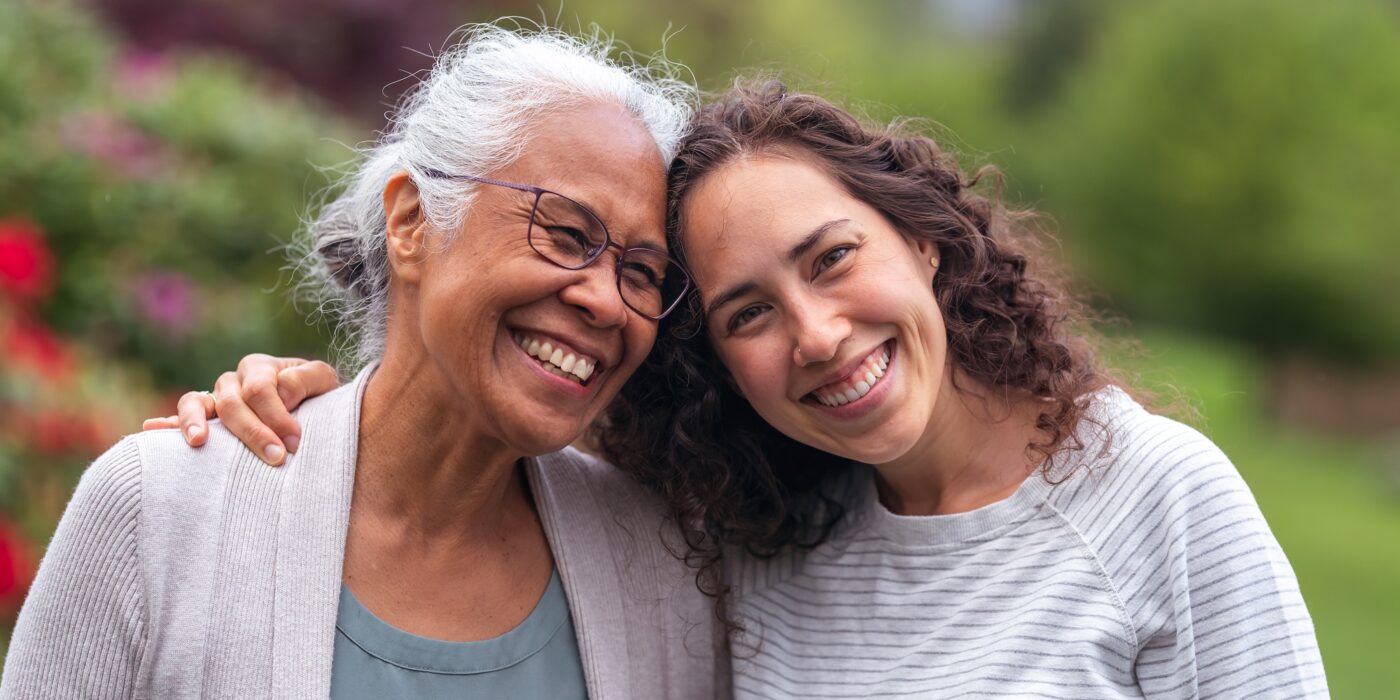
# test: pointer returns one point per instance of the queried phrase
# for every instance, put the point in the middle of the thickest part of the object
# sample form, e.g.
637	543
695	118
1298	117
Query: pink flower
16	569
143	74
26	265
168	301
113	141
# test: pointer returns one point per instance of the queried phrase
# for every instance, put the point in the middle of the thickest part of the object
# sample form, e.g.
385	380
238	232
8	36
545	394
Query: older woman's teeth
859	383
556	359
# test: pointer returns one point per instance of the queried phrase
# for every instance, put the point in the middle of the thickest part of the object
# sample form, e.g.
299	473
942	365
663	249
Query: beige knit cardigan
178	572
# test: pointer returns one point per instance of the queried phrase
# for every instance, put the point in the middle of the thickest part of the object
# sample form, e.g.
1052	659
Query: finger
298	383
193	413
162	423
240	419
260	392
262	361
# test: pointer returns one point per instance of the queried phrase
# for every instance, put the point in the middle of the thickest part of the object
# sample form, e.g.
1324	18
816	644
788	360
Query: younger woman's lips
865	404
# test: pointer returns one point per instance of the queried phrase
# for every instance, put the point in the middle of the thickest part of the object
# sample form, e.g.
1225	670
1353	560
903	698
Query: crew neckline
952	529
416	653
993	519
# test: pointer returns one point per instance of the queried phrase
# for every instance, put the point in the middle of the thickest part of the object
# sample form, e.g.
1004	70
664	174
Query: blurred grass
1330	501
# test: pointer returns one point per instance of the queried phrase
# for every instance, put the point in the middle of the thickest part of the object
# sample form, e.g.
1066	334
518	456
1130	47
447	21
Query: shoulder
109	494
1146	466
572	471
1150	495
142	467
175	478
1154	499
587	502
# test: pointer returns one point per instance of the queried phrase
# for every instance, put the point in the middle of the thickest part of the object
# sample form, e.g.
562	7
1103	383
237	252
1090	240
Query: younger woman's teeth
557	359
859	383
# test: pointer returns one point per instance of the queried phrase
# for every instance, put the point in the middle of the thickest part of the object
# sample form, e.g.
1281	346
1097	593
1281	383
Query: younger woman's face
822	311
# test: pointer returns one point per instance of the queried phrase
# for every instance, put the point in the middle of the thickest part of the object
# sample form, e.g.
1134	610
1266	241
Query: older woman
885	434
502	253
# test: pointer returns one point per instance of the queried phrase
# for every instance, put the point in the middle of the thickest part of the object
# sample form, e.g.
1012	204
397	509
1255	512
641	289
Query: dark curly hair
731	479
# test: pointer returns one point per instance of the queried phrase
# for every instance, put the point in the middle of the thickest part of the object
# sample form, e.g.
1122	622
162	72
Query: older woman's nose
593	291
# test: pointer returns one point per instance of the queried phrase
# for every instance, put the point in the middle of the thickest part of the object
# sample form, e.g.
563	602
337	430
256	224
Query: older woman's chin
546	434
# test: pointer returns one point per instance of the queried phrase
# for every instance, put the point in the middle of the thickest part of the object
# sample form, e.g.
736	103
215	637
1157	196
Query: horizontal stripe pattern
1148	572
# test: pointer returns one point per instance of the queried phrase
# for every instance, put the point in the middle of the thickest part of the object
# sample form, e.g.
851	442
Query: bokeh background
1221	174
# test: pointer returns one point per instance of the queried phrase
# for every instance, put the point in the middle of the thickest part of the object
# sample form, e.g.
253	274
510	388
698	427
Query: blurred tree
1232	166
355	53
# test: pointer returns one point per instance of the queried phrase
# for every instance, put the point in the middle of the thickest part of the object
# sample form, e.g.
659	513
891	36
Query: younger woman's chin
873	454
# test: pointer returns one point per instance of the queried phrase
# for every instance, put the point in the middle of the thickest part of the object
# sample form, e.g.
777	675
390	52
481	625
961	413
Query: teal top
537	659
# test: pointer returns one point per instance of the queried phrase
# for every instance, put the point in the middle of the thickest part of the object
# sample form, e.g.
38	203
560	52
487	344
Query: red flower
26	265
36	346
51	433
59	433
16	569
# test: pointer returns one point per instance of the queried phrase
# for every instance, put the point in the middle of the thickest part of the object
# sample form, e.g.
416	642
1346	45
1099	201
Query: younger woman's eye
833	256
744	316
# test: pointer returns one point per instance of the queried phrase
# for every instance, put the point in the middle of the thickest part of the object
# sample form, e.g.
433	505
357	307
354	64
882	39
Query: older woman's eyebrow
649	245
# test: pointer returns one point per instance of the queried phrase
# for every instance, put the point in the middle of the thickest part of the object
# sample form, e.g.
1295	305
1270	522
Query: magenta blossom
143	74
169	302
110	139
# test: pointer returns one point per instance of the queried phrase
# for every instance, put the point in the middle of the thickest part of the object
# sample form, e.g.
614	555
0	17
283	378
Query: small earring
933	262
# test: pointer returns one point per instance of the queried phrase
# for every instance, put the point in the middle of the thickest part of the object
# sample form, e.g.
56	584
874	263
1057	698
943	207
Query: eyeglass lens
568	235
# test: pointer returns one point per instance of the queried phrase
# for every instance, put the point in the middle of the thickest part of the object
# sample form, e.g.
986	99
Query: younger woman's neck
972	454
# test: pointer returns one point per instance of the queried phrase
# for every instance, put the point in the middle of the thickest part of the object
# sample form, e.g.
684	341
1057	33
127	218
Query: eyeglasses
571	236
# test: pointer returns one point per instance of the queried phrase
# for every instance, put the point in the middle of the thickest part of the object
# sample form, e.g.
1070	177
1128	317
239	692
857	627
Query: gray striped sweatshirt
1148	572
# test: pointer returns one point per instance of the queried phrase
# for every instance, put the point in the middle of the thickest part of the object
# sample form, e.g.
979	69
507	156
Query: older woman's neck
426	462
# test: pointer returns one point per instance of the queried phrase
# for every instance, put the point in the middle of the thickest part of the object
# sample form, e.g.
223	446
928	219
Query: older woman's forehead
604	158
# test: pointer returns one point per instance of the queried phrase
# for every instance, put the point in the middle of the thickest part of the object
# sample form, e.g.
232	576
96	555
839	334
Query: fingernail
274	454
193	432
291	441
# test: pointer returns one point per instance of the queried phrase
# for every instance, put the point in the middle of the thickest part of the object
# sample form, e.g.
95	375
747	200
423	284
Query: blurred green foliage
164	183
142	199
1231	167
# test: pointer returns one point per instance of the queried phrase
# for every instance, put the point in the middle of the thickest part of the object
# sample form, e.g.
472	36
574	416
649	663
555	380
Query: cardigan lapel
313	520
592	583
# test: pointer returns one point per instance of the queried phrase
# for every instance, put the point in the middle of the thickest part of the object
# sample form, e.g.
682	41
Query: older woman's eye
833	256
570	241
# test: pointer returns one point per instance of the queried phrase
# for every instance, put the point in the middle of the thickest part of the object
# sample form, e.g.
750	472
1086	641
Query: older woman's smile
557	356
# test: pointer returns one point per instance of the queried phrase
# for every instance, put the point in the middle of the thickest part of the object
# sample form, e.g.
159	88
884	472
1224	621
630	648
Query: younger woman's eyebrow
729	295
803	246
814	238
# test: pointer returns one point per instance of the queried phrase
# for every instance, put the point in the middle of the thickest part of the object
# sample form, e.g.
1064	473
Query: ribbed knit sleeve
82	630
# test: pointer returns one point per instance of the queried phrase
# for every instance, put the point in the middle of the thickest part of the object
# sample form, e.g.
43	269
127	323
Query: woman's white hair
470	116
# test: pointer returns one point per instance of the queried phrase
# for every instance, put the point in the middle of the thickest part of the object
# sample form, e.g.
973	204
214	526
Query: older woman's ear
405	226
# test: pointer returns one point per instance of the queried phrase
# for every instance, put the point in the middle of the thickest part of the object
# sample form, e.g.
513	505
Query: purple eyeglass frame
608	242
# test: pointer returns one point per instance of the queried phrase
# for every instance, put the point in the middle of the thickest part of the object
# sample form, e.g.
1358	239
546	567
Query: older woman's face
489	291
